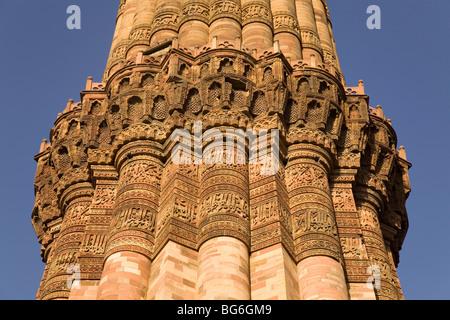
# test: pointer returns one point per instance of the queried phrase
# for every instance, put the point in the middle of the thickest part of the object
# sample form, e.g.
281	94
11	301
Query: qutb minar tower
119	216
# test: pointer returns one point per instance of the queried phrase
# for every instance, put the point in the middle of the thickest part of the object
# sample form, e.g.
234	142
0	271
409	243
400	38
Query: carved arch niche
62	160
115	116
193	101
72	127
303	87
184	70
204	70
104	133
96	108
124	84
239	94
292	111
226	65
135	108
147	80
314	112
160	108
324	88
333	121
268	75
259	103
215	94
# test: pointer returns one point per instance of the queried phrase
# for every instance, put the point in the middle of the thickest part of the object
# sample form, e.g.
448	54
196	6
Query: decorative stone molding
256	11
109	193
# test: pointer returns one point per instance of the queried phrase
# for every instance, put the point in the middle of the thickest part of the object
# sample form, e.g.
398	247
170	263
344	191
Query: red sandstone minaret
118	218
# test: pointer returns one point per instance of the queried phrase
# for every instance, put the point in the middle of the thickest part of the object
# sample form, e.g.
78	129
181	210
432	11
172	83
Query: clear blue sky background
405	67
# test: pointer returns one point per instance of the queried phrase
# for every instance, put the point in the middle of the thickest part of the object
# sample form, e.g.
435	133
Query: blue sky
404	66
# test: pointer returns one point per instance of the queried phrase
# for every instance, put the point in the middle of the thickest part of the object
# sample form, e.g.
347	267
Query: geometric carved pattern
314	221
134	217
292	112
135	110
193	101
259	103
215	94
225	203
110	197
160	108
314	112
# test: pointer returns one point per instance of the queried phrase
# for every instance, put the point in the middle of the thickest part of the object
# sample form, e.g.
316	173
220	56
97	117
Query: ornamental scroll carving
225	202
385	269
139	172
285	21
368	220
353	248
76	214
135	217
314	221
185	210
225	7
343	199
142	33
104	196
309	37
181	209
167	20
256	12
268	212
63	261
94	243
306	175
119	52
329	57
190	10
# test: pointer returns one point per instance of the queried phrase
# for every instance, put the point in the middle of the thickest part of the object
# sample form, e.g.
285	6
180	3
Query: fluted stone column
317	247
369	203
225	20
175	265
308	29
257	24
130	246
324	32
92	250
194	28
223	270
116	39
129	13
396	280
224	231
166	21
121	39
155	229
273	269
286	29
75	202
333	43
141	28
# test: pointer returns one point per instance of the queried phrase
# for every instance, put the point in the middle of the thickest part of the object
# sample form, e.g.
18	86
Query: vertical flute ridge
222	156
